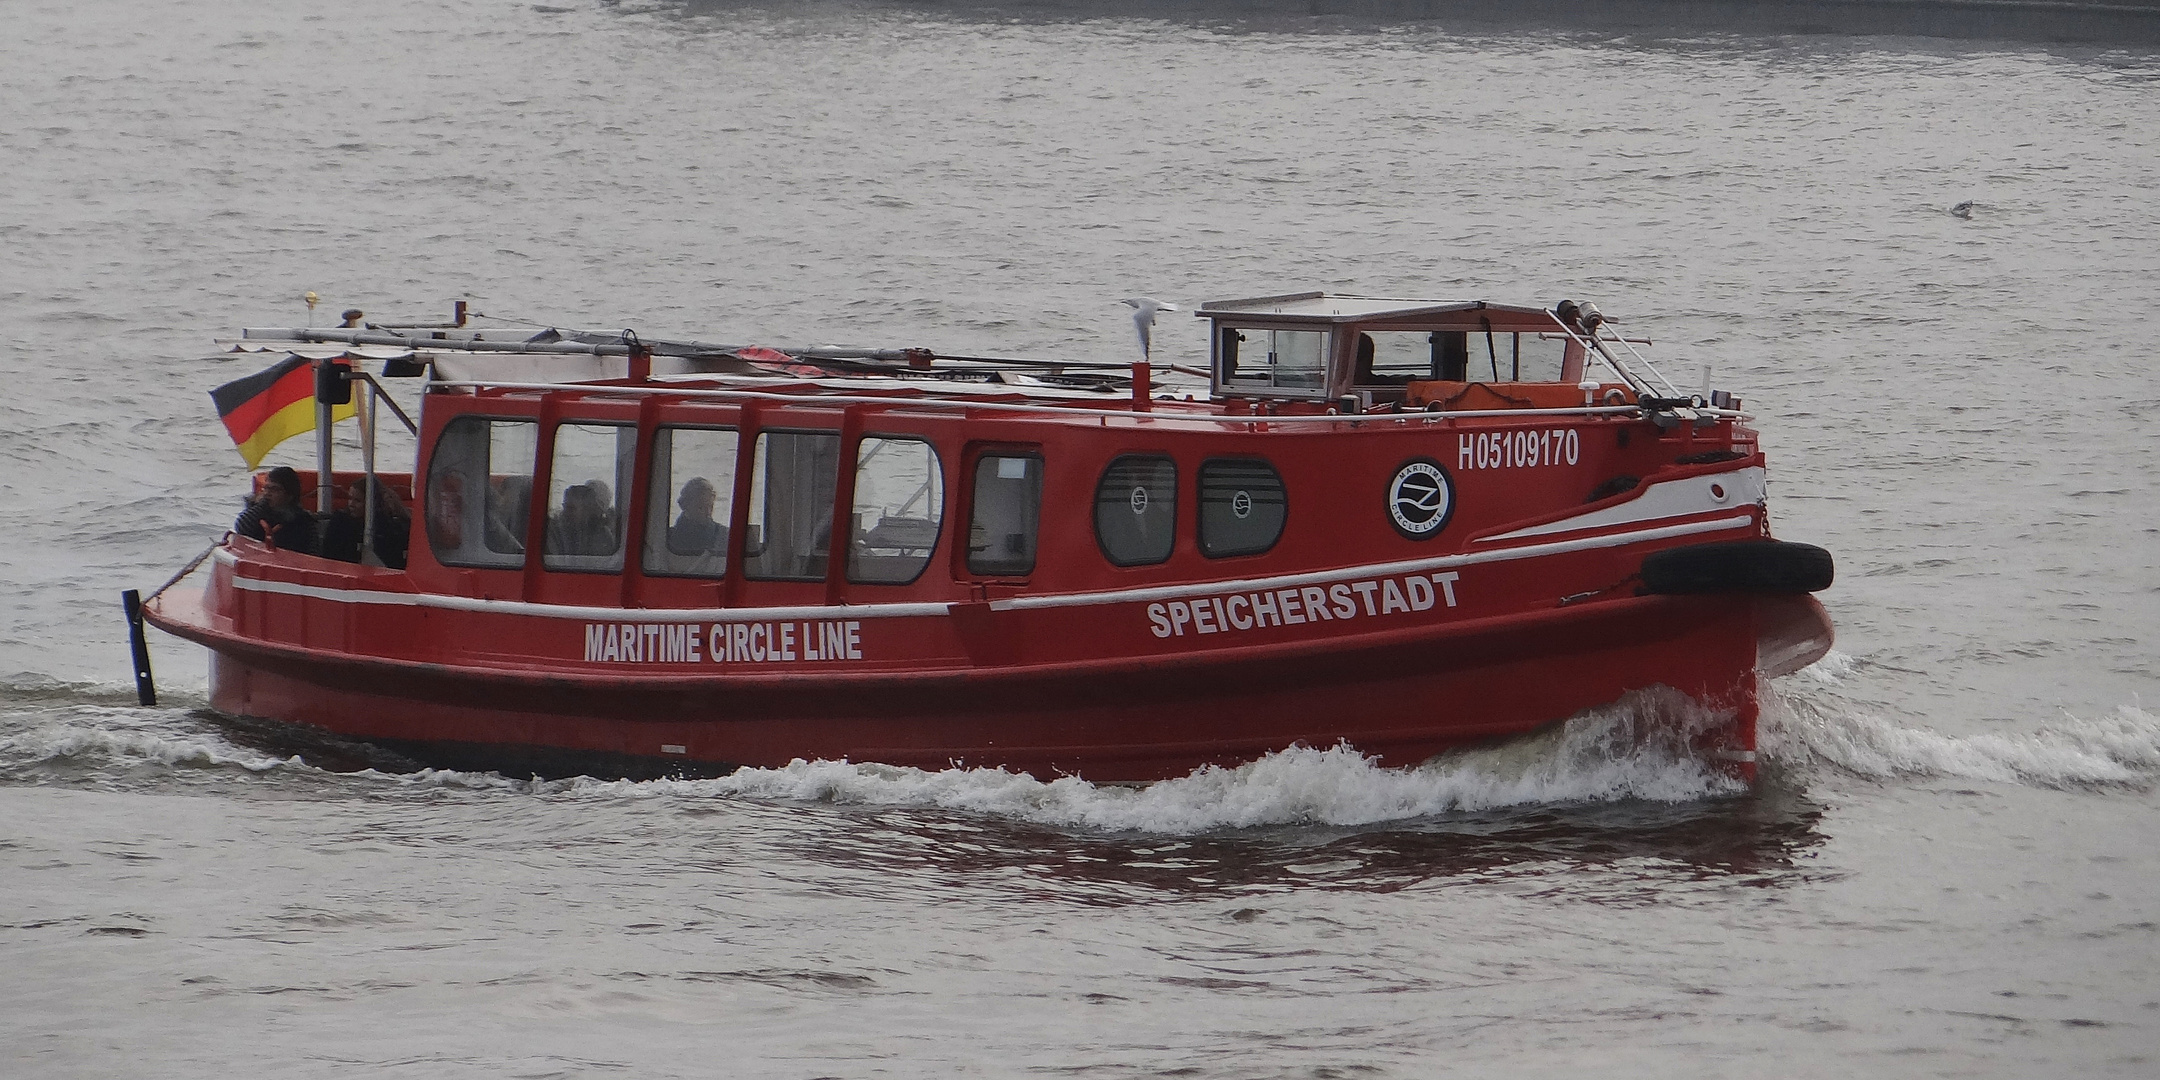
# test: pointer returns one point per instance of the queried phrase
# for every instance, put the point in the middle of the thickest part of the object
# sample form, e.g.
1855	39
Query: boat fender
1741	566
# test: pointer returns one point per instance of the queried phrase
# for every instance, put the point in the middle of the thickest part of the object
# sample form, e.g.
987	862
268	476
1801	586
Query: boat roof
1345	307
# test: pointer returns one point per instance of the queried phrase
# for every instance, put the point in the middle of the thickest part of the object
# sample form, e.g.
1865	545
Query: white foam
77	742
1833	668
1797	732
1597	757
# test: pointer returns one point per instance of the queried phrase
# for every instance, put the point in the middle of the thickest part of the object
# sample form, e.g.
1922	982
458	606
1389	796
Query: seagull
1963	210
1143	318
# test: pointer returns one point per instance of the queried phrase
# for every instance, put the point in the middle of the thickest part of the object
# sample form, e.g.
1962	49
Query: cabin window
691	501
1274	359
585	497
1136	510
1242	507
1007	509
899	504
1539	357
1398	356
479	491
789	525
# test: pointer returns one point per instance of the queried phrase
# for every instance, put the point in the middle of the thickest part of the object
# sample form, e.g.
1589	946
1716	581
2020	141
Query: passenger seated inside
585	524
274	515
393	527
695	532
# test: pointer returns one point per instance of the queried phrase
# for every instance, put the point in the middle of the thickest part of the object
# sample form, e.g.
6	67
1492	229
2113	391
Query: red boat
1403	525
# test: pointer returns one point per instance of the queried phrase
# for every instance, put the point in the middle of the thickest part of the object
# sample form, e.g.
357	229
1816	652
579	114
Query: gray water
1949	870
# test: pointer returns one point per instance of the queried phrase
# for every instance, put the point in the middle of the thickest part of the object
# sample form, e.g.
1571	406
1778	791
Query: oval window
1242	507
1136	510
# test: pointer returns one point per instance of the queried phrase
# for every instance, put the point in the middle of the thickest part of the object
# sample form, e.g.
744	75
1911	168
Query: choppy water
1949	871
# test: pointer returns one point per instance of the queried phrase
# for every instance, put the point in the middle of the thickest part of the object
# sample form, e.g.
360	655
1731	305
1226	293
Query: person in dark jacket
275	517
341	533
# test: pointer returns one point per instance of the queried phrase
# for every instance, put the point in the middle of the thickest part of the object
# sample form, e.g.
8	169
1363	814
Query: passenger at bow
274	515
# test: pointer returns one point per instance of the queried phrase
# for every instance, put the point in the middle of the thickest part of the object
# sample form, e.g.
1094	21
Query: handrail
994	406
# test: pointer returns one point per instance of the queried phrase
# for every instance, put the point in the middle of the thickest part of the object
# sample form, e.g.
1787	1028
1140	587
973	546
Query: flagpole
368	557
323	480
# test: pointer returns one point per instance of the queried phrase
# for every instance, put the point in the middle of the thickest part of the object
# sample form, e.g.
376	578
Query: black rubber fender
1744	566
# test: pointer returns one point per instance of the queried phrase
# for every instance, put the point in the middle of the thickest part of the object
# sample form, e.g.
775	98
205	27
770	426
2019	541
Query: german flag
271	406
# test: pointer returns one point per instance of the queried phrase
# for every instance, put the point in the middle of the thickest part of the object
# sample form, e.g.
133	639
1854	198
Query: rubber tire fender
1741	566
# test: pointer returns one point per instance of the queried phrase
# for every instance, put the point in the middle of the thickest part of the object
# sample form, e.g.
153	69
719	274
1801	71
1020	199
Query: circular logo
1241	505
1139	501
1420	498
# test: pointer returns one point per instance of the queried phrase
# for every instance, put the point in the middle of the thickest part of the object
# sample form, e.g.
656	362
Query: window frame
1200	536
944	498
1042	475
758	481
645	552
569	563
1177	482
501	560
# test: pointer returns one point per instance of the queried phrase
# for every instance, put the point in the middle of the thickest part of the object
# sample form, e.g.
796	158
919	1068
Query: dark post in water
145	689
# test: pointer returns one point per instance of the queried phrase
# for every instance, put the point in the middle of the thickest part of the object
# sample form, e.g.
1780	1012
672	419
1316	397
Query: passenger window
899	504
691	502
479	491
789	525
585	520
1008	507
1242	507
1275	359
1136	510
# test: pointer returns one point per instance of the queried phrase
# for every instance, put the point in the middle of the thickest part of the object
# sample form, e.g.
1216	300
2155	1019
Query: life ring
1742	566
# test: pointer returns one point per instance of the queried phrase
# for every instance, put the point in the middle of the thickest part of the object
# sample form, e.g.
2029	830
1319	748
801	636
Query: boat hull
1401	697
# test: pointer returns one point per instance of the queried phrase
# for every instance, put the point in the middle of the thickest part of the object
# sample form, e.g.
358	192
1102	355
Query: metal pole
145	689
367	486
323	481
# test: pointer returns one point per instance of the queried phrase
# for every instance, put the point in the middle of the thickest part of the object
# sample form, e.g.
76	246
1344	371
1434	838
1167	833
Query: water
1948	870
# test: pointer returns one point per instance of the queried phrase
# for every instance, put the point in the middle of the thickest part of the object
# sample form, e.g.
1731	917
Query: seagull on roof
1144	309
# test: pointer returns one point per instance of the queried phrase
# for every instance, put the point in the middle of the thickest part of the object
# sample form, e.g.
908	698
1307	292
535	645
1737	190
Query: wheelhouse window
1263	359
591	472
1007	511
691	501
1394	357
479	491
1136	510
789	524
899	505
1242	507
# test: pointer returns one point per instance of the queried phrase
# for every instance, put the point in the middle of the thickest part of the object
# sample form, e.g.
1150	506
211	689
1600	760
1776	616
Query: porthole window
1136	510
1242	507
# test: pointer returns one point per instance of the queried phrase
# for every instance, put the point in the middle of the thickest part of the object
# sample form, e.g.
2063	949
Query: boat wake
1632	751
1804	731
1601	756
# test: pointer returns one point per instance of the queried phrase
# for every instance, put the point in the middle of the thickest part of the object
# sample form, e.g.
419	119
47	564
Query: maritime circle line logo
1420	499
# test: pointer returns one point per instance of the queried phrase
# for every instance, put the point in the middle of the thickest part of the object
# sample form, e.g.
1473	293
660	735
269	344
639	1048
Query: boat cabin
1358	353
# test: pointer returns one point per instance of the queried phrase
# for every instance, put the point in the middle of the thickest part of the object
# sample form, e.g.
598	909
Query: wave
97	740
1628	751
1802	733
